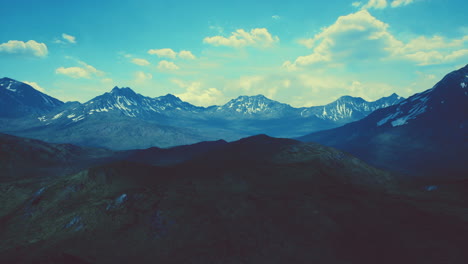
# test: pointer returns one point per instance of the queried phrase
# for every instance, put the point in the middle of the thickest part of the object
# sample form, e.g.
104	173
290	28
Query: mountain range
117	118
425	135
390	187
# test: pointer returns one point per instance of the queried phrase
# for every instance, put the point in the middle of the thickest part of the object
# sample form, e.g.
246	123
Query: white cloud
35	86
397	3
257	37
435	50
141	62
289	66
141	77
381	4
376	4
69	38
437	57
187	55
361	37
163	53
196	95
85	71
308	43
167	65
355	36
171	54
31	48
435	42
276	17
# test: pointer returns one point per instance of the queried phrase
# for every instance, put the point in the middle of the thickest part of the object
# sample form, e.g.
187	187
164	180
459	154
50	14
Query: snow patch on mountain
79	118
417	104
348	108
57	116
9	87
386	119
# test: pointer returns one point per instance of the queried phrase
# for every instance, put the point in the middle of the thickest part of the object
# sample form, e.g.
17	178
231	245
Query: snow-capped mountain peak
125	91
446	98
20	99
256	105
347	108
122	101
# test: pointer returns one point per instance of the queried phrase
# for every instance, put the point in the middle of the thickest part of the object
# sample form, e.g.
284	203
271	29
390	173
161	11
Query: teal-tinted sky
206	52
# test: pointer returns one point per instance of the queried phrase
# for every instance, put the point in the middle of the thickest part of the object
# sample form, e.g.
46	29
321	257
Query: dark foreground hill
257	200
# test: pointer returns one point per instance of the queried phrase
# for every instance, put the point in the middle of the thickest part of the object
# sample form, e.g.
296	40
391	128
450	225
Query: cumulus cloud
434	50
141	62
361	37
257	37
187	55
276	17
356	4
85	71
171	54
35	86
29	48
355	36
195	94
167	66
308	43
163	53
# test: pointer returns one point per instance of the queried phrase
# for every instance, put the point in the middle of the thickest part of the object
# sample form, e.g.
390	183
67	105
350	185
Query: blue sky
206	52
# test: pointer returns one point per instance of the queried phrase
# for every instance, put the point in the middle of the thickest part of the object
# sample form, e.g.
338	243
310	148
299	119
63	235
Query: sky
303	53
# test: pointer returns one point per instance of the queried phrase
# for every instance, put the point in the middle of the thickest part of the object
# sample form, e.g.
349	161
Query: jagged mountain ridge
423	135
348	108
126	102
19	99
121	118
